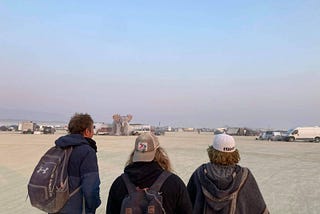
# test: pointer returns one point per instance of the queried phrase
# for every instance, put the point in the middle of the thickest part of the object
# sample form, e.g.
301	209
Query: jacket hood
71	140
220	180
143	174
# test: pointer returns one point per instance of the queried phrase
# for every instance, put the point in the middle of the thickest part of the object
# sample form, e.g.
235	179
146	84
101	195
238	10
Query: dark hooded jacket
82	171
143	174
222	184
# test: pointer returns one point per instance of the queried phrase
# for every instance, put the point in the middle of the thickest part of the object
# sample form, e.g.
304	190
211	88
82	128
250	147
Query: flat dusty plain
288	174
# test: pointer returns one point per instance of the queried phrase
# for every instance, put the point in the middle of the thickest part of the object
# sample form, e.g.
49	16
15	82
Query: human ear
86	133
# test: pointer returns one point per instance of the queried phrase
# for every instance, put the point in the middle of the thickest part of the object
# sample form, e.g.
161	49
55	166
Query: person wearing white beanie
223	186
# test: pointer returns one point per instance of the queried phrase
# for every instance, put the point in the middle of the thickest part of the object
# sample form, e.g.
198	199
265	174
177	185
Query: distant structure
27	127
121	124
241	131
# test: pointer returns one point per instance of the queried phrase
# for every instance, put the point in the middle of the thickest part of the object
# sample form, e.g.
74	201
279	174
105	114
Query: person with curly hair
83	169
223	186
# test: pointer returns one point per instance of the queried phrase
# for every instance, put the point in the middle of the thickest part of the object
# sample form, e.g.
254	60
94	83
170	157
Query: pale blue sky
180	63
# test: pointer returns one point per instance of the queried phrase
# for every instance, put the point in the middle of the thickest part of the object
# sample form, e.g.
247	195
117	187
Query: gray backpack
147	200
48	188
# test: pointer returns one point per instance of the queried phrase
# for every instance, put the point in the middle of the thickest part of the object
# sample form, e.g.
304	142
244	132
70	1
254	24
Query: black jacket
82	170
144	174
222	181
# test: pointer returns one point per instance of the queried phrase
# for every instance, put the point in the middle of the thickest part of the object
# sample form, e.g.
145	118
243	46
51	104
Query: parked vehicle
102	129
159	131
261	136
277	136
48	130
137	129
267	135
311	134
270	135
28	127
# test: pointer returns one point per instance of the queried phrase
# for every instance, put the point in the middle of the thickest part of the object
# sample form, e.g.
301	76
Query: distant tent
251	132
219	131
233	131
3	128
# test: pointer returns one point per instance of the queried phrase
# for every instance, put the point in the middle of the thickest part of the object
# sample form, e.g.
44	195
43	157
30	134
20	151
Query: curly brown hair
161	157
223	158
79	122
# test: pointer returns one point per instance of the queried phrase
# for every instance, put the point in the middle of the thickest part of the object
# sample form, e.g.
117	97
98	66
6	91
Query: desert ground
288	174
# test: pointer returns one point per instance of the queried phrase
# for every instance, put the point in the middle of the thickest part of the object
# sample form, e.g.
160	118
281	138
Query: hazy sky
178	63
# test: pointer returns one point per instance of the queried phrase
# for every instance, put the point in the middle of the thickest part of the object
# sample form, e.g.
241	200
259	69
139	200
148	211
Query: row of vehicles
29	127
134	129
310	134
108	129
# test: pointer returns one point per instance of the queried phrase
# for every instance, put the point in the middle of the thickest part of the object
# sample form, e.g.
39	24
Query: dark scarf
92	143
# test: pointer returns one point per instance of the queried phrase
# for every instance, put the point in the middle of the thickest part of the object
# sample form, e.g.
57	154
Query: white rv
311	134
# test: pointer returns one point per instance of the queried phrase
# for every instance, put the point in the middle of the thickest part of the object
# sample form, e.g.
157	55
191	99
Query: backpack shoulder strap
160	180
130	186
68	152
